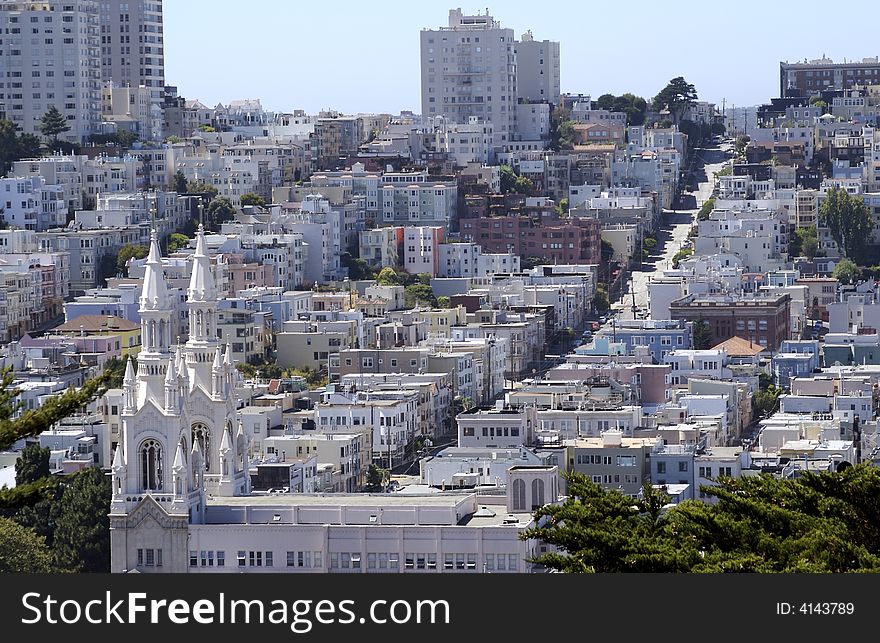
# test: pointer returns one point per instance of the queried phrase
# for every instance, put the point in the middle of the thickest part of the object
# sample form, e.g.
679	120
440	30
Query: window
268	559
242	559
661	467
682	466
221	559
519	495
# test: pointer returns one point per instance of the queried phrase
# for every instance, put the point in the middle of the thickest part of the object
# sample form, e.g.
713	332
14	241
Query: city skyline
292	76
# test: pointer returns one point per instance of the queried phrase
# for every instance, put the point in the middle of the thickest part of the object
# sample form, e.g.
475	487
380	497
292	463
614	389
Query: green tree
562	133
171	140
358	269
206	128
680	256
22	551
130	251
82	531
200	187
523	185
179	183
220	210
846	272
177	241
252	199
444	302
562	207
677	97
419	294
508	178
605	101
706	209
718	128
849	221
804	241
15	146
702	335
377	478
53	124
32	464
766	402
388	277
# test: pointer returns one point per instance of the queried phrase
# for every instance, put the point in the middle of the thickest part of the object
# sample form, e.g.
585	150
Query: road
673	234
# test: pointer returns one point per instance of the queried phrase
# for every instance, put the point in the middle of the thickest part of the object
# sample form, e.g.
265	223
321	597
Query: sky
363	56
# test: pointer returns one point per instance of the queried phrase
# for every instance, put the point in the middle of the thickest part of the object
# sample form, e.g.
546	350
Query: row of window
382	561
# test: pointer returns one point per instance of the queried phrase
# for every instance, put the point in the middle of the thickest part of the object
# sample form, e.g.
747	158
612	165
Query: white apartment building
421	249
469	69
51	52
533	122
706	364
81	177
427	202
463	143
343	452
501	427
133	44
32	204
537	70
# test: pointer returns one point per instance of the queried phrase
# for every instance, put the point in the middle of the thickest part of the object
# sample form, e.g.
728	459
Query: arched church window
151	466
202	435
519	495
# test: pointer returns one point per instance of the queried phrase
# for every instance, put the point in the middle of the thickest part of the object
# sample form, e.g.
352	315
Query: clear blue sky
364	55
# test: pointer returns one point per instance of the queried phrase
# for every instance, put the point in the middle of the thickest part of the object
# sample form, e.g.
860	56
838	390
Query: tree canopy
22	551
32	464
252	199
817	523
219	211
512	182
15	146
846	272
849	221
130	251
53	124
677	96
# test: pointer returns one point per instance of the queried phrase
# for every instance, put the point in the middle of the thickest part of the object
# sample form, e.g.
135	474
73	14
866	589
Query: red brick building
763	320
552	240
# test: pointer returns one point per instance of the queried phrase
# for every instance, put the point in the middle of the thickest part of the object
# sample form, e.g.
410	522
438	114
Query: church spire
155	293
201	283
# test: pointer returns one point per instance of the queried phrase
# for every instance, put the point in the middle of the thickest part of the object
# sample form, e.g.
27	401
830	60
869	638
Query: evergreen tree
849	221
32	464
53	124
82	530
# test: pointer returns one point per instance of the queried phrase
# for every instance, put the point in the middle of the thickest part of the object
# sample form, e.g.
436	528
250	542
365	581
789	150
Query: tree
252	199
846	272
561	129
53	124
15	146
130	251
706	209
220	210
444	302
179	183
171	140
605	101
804	242
523	185
388	277
22	551
82	531
32	464
815	523
562	207
677	97
377	478
702	335
680	256
200	187
718	128
358	269
766	402
177	241
206	128
508	178
849	221
416	294
114	370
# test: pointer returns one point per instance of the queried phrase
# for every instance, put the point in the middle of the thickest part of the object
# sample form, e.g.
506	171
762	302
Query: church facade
180	442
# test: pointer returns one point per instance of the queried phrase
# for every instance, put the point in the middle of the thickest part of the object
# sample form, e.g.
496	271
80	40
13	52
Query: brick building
764	320
554	240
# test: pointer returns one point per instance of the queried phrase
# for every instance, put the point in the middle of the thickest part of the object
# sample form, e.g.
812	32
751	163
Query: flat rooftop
337	500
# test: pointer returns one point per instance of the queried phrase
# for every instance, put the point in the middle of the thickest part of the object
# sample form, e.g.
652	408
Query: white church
181	489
